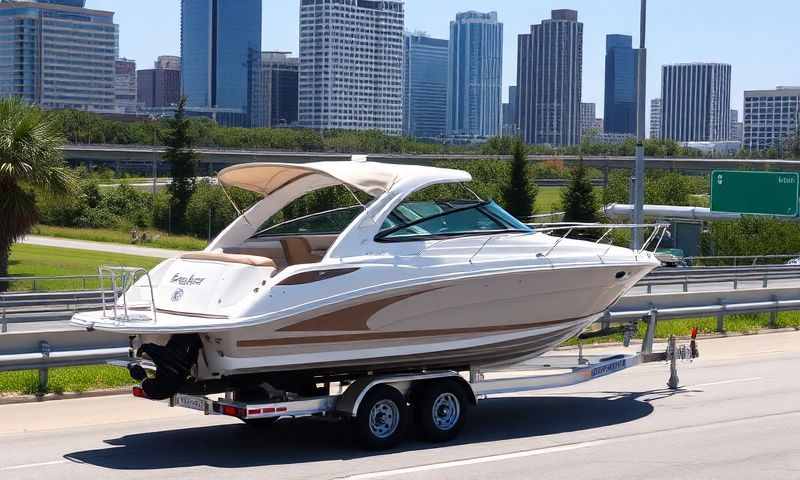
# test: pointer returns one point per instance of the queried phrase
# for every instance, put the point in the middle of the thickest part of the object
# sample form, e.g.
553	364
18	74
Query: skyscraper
221	60
770	116
696	102
160	87
475	75
655	118
424	86
510	127
549	76
351	65
737	128
588	117
58	55
125	85
280	87
620	93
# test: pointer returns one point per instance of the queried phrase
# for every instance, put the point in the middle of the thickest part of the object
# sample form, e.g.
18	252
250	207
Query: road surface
737	417
101	247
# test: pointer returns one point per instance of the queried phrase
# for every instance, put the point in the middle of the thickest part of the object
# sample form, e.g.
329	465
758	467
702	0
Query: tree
31	163
520	192
182	161
578	199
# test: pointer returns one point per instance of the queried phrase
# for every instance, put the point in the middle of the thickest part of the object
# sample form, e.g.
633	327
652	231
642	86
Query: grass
745	323
61	380
549	199
159	239
35	260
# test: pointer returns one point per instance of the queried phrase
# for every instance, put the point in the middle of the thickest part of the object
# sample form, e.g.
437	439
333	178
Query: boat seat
251	260
298	251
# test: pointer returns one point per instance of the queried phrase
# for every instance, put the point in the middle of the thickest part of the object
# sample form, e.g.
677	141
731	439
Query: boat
393	283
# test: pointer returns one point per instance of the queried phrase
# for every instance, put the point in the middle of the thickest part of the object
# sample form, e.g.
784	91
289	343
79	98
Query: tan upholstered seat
298	251
252	260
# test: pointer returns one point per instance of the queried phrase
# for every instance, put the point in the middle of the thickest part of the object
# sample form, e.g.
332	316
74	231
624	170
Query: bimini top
372	178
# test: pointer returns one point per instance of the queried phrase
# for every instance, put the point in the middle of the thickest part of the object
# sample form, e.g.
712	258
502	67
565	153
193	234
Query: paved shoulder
101	247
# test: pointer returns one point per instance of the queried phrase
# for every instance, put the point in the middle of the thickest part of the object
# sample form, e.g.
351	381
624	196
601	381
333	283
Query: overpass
141	157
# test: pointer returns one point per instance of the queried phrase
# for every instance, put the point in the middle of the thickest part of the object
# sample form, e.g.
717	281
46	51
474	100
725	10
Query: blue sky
759	39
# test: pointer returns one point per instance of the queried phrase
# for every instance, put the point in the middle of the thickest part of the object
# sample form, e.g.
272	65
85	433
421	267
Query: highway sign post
756	193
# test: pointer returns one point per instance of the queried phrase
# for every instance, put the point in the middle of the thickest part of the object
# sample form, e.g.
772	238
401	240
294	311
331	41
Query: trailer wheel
382	418
441	410
260	422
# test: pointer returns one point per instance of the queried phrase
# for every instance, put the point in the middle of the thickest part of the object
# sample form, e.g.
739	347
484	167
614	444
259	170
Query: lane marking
565	448
725	382
474	461
33	465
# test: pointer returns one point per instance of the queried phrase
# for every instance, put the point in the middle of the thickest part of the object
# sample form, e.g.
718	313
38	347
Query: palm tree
31	163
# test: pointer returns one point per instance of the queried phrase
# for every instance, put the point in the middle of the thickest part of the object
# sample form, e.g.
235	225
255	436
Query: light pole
639	171
154	119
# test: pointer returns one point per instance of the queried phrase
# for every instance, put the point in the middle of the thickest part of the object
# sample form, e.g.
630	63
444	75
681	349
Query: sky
759	39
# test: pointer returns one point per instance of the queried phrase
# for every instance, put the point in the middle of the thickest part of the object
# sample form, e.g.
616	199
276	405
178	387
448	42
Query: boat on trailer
398	283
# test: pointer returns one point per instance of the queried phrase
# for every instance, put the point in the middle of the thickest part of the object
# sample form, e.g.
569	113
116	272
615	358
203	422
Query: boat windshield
445	219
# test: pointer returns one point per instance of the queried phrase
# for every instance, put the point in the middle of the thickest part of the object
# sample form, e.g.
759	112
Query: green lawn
156	238
73	379
549	199
34	260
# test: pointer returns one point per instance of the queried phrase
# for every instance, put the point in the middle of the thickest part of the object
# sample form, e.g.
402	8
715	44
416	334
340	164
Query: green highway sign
757	193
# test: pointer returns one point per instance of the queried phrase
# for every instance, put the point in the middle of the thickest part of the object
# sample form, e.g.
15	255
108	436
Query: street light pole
639	171
154	119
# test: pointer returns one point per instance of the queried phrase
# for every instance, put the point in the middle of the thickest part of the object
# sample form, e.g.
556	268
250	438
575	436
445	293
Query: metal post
43	372
155	163
639	170
650	333
4	322
721	319
773	315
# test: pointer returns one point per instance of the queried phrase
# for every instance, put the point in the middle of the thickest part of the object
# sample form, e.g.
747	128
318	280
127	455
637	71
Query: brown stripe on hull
356	337
350	319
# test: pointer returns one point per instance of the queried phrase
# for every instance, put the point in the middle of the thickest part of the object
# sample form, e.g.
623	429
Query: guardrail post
766	280
721	318
43	372
773	315
672	354
650	333
4	322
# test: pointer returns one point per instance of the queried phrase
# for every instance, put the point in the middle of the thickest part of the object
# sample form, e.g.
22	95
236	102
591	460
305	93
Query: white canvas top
373	178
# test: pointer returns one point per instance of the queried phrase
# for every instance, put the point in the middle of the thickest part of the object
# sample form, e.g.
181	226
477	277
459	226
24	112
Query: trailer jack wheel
441	410
382	418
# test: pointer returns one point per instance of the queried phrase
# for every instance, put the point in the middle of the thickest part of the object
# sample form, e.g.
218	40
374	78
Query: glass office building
696	102
770	116
475	78
425	86
58	55
221	60
620	95
281	76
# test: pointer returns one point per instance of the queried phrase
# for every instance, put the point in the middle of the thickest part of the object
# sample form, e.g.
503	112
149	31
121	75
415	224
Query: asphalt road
736	417
101	246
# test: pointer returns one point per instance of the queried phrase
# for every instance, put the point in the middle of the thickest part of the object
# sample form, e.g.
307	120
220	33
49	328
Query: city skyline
677	32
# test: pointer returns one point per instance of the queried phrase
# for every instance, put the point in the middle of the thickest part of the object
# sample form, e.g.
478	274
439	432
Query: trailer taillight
138	392
233	411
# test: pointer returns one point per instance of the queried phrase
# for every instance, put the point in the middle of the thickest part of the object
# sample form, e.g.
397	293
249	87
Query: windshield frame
383	236
266	232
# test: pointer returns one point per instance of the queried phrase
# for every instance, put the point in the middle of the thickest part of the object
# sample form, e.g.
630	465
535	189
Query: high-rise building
588	117
619	114
510	127
168	62
281	76
221	60
696	102
351	65
58	55
655	118
549	76
737	127
770	116
125	89
424	86
160	87
475	75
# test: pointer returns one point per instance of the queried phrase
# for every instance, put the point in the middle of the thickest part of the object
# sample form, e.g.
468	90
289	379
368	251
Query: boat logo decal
186	281
608	368
177	295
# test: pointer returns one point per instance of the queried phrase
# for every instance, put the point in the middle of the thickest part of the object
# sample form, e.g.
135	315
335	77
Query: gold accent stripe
357	337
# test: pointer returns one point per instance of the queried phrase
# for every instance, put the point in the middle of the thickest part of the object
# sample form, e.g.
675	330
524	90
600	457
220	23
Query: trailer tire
441	410
382	418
